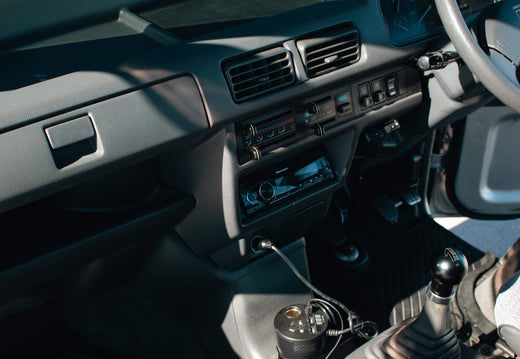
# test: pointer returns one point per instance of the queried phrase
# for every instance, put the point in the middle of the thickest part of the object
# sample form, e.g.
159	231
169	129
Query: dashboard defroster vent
329	50
259	74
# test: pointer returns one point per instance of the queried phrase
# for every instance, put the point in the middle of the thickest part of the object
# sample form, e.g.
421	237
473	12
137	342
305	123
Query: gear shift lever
430	335
447	271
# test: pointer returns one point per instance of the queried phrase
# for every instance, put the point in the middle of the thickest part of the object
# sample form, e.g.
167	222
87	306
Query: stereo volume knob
266	191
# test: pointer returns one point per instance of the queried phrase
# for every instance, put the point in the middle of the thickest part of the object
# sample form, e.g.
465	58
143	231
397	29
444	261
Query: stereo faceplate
279	183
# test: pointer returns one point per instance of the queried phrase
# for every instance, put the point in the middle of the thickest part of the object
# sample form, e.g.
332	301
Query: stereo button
266	191
252	197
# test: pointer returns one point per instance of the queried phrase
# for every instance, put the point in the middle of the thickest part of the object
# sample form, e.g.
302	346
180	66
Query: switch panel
317	115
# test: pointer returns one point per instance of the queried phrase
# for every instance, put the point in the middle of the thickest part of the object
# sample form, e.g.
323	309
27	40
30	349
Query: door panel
487	179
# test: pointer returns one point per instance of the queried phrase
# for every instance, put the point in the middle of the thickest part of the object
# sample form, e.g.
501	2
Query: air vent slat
259	74
265	88
329	50
260	71
336	64
324	56
259	80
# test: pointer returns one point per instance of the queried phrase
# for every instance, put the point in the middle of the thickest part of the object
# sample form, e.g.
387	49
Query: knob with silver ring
266	191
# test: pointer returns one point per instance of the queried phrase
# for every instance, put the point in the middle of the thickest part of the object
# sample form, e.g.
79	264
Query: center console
283	165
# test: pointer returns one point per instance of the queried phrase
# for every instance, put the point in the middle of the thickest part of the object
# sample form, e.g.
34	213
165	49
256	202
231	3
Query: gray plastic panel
44	16
58	95
203	59
206	55
127	126
258	296
488	178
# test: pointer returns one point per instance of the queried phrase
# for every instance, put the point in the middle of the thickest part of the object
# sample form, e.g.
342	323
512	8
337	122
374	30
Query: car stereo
279	183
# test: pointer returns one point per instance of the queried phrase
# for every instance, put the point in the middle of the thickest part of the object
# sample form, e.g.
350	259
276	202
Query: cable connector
264	244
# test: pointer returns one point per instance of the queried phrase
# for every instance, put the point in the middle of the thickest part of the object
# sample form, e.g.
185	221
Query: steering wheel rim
478	62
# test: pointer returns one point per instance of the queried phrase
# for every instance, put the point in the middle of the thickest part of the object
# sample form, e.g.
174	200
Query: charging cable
363	329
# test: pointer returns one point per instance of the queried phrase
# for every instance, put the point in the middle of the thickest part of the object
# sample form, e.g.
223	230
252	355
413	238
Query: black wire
329	306
355	324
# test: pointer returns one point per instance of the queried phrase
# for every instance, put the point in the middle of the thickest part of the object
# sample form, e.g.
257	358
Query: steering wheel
499	71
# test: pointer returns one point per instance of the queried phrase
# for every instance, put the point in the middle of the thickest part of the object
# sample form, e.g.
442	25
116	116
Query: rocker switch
380	96
377	89
367	102
391	88
364	96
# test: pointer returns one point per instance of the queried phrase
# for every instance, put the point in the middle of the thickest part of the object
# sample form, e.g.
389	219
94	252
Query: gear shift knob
447	271
429	335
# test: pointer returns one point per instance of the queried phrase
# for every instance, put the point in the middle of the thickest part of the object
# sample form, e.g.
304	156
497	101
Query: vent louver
330	50
259	74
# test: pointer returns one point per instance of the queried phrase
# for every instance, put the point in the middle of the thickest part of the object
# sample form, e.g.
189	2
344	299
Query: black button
367	102
346	107
380	96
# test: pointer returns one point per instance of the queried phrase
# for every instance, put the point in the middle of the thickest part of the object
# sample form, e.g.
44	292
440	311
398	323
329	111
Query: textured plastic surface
258	296
205	57
127	126
486	181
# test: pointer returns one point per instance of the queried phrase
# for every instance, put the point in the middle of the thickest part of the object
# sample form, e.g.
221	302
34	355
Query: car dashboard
87	102
122	121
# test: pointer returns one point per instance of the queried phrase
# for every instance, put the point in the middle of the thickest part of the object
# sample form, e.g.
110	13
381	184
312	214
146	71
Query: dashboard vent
330	50
259	74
